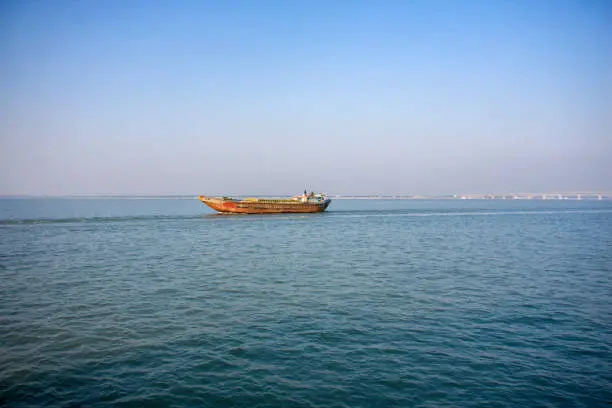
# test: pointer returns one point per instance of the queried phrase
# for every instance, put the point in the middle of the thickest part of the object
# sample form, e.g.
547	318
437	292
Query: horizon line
550	195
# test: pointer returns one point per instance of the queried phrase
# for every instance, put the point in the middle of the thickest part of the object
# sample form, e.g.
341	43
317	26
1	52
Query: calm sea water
372	304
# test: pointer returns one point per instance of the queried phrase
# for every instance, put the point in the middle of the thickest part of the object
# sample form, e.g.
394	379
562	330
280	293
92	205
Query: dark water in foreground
374	304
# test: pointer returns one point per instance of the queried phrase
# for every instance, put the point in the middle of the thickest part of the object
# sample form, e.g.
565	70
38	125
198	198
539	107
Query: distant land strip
580	195
487	196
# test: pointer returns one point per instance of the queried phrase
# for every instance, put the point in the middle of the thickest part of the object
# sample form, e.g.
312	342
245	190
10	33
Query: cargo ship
305	203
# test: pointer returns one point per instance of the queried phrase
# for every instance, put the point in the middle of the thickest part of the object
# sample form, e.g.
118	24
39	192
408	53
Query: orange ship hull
263	206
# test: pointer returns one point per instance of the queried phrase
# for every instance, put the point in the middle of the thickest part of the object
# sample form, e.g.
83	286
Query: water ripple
406	307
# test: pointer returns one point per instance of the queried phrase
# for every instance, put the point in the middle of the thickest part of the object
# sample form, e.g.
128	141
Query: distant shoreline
591	196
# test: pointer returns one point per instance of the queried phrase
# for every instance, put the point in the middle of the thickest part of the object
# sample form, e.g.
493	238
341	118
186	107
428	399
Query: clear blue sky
347	97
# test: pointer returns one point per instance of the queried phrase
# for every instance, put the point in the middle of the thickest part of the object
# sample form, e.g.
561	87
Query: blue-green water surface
151	302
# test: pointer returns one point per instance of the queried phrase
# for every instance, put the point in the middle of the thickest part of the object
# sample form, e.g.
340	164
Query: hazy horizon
537	195
350	98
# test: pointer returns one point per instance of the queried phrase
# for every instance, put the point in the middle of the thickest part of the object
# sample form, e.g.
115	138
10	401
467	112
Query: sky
271	97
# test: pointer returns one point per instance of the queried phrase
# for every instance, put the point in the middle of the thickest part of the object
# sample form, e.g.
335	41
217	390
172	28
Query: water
373	304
